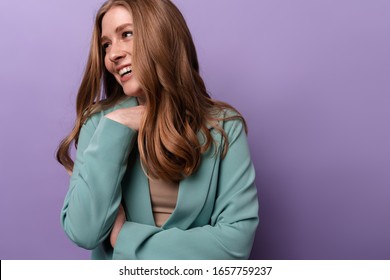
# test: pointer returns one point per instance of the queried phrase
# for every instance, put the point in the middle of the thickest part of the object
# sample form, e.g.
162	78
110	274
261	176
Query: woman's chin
139	95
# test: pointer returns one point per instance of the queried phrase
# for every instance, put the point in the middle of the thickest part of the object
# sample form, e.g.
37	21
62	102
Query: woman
162	171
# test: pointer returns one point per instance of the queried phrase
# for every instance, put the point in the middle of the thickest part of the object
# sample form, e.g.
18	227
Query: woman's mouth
125	70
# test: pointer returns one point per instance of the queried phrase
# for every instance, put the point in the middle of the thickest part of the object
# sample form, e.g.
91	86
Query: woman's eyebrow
117	30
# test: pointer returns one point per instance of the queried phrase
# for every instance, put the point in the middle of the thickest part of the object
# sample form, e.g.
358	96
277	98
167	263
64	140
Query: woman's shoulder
229	121
228	118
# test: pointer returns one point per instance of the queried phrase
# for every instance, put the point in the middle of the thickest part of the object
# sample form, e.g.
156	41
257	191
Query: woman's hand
119	221
130	117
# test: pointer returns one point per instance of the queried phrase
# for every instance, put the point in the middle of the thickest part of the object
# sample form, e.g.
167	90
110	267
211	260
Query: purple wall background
311	77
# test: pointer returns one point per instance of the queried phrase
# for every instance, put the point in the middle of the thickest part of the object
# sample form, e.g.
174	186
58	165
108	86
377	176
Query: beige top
163	196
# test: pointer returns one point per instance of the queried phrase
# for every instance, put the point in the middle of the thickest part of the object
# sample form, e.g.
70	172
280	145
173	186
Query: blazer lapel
194	190
135	192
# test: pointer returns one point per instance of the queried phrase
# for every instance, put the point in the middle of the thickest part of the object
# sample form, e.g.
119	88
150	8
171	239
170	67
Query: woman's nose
116	53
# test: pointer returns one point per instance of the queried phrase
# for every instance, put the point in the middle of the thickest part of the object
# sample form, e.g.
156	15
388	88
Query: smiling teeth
125	70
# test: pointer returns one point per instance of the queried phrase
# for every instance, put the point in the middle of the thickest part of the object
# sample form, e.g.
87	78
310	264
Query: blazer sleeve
231	232
94	194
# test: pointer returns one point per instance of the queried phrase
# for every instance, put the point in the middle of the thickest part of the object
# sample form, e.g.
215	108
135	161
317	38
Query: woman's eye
127	34
105	46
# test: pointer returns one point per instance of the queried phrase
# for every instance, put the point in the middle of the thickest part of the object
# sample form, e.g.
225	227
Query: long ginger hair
178	106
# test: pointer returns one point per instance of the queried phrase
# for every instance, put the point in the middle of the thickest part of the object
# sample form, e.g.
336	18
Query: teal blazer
216	213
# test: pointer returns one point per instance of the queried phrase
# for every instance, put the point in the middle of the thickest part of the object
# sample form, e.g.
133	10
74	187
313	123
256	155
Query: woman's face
117	41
